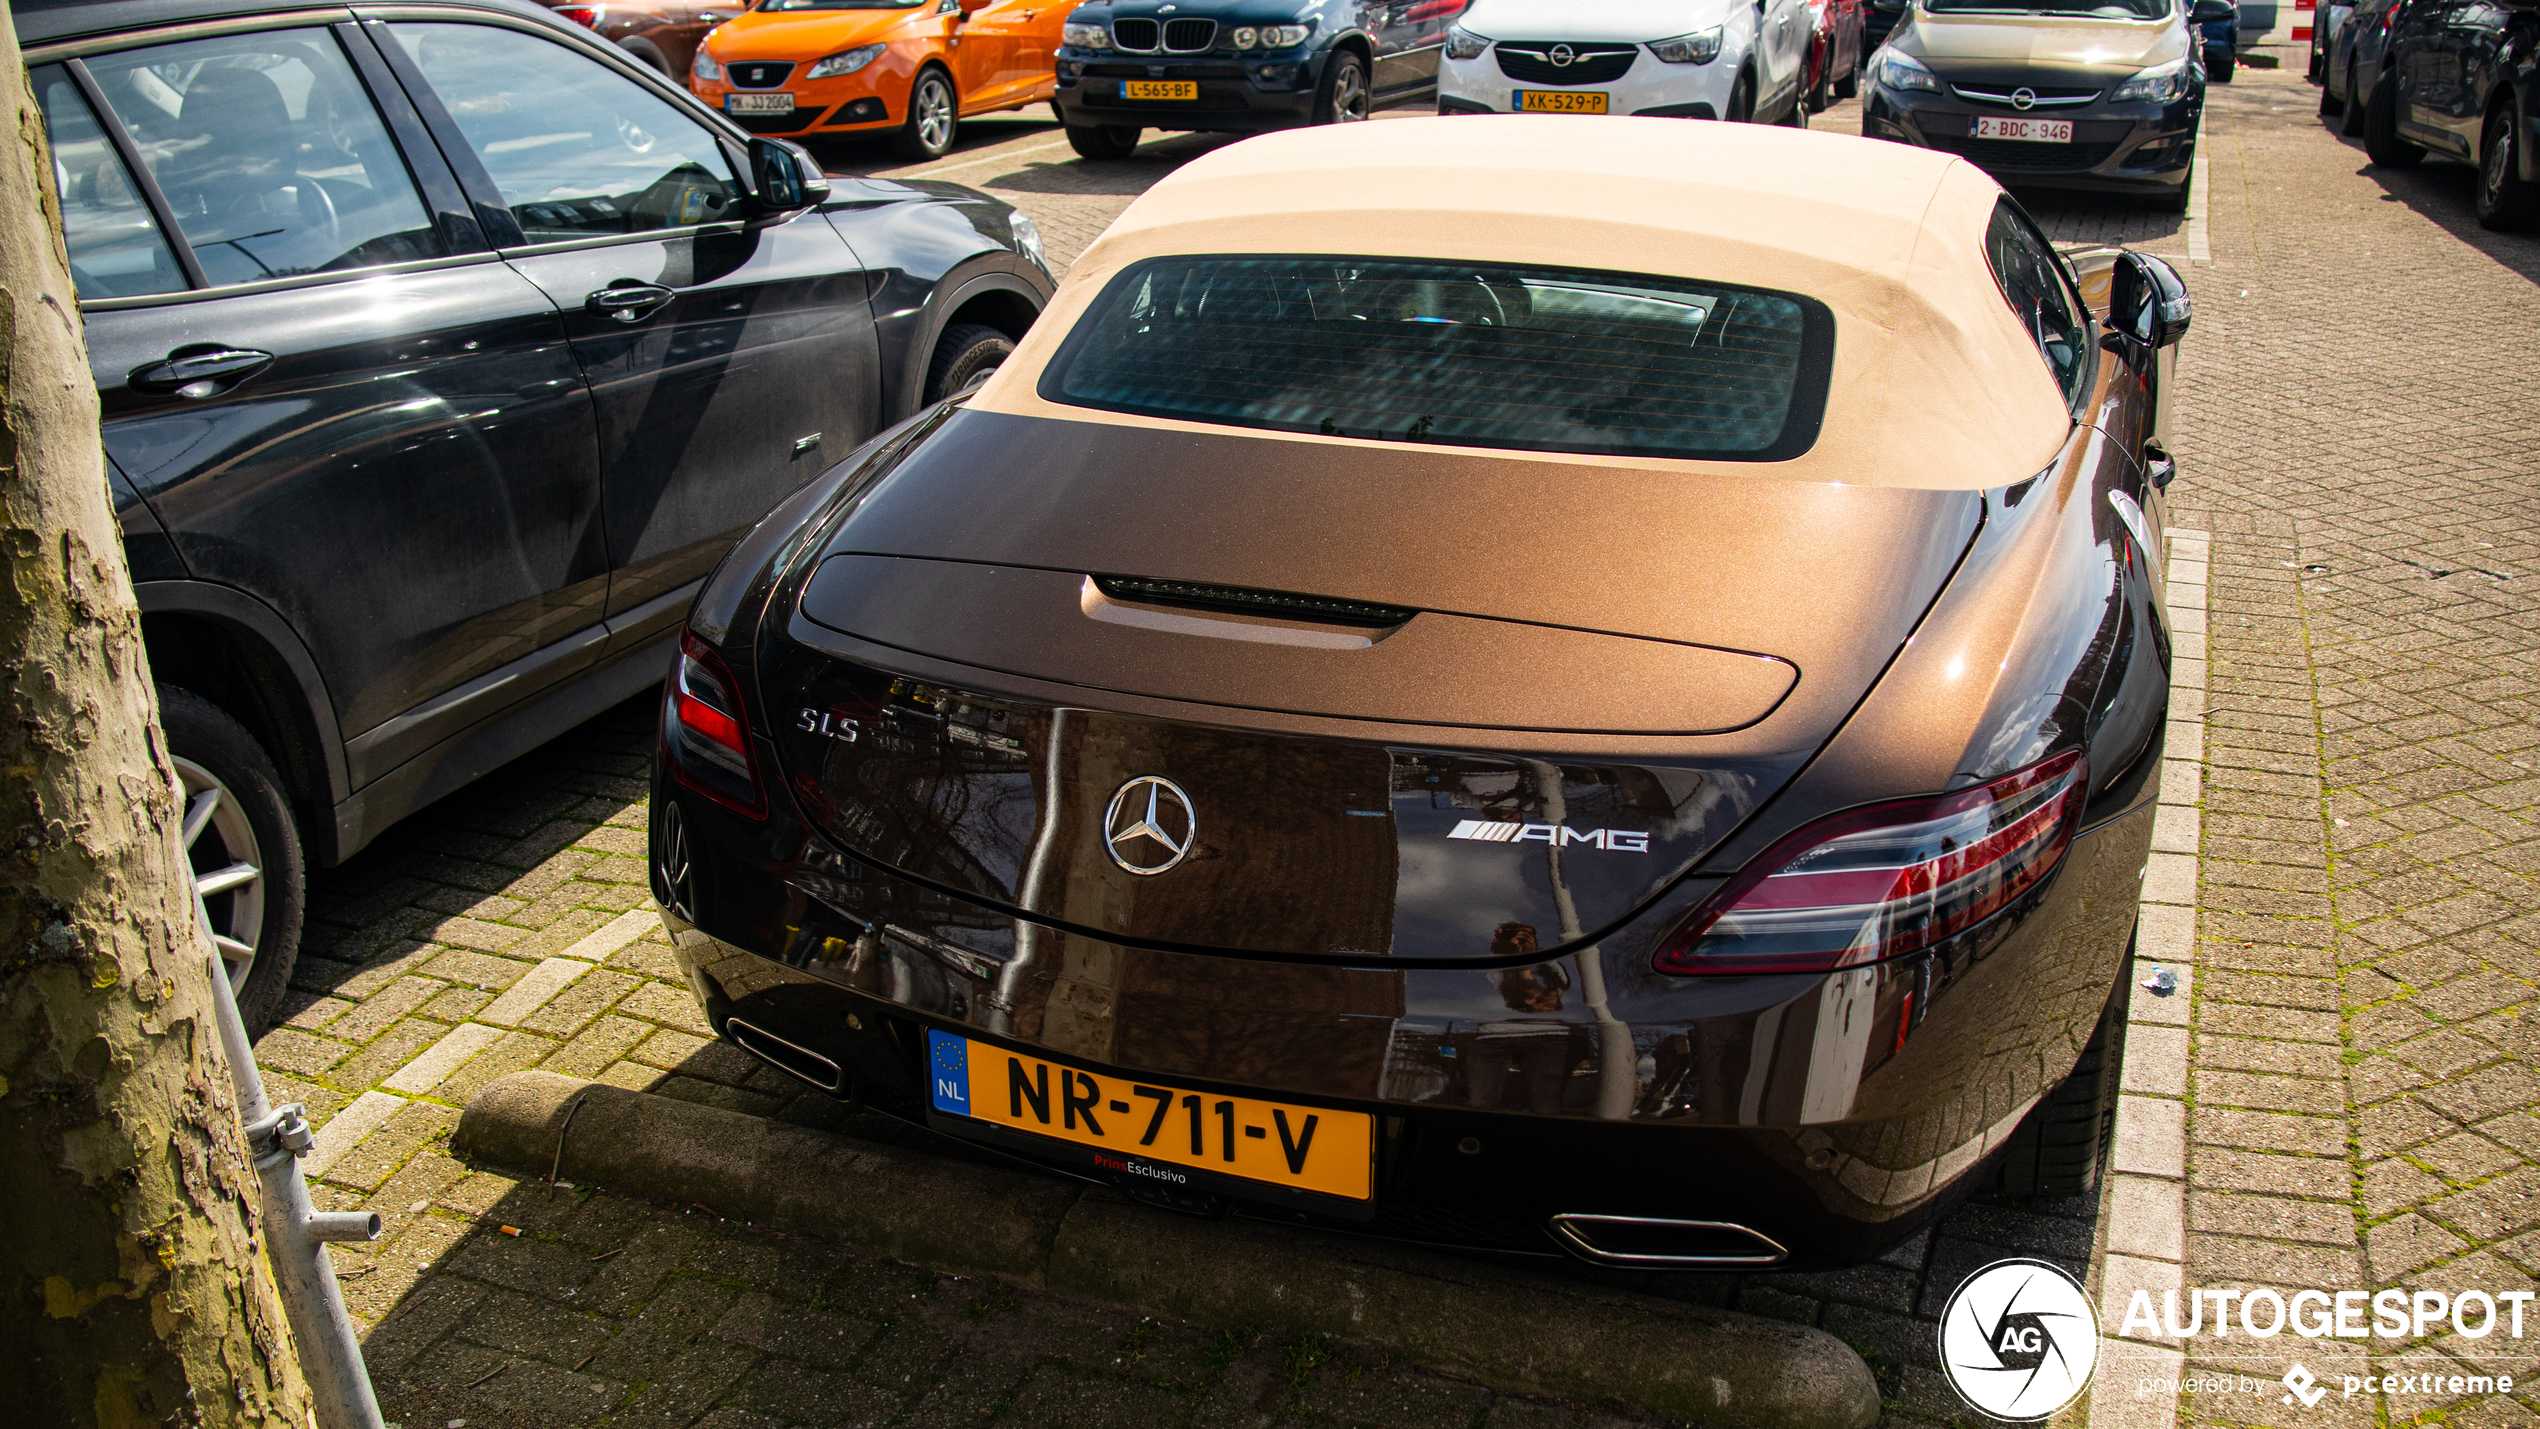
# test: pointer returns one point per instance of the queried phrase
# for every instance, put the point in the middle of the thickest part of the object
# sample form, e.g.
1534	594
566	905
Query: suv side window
2032	282
575	150
116	248
271	157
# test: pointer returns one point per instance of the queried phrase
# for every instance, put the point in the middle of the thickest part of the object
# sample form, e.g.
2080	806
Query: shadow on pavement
2446	194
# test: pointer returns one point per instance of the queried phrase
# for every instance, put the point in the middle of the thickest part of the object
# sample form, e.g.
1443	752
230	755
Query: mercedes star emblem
1563	54
1155	840
2023	98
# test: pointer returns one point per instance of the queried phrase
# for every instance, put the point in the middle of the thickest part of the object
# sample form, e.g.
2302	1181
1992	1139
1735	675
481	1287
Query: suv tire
1104	141
2382	143
2507	201
1343	97
964	357
2061	1147
230	786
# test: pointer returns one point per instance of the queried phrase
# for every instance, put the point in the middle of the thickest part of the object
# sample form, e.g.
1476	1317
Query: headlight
703	67
1084	37
2160	84
1027	240
1244	38
1895	71
1465	45
1698	48
1285	36
847	63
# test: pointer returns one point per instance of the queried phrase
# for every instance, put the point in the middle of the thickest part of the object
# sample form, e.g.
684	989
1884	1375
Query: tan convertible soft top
1934	383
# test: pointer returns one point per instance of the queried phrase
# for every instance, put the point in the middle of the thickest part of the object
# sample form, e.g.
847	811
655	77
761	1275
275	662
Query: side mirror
2147	301
973	7
785	177
2213	12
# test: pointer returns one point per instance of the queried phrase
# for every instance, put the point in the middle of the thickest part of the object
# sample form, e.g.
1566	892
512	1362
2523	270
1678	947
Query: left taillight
587	16
1880	882
706	730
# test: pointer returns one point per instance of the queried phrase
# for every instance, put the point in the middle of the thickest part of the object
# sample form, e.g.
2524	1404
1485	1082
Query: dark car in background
1838	46
661	33
2460	80
2354	61
2048	93
2217	25
442	355
1241	66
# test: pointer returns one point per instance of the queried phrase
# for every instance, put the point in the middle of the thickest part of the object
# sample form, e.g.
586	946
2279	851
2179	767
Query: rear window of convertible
1457	354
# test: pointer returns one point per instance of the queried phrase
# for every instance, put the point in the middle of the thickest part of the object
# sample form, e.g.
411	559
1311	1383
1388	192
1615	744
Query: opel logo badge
1150	825
1563	54
2024	98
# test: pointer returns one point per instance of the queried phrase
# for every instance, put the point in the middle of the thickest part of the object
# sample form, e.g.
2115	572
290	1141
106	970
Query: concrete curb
1508	1329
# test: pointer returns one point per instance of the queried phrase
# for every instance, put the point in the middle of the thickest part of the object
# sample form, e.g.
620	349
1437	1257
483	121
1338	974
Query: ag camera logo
2018	1339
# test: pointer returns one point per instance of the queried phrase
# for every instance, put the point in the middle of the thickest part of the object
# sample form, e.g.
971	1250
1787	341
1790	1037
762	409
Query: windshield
2110	10
1458	354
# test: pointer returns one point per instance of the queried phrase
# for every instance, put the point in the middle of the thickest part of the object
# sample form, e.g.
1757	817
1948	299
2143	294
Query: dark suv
1241	66
2460	79
443	352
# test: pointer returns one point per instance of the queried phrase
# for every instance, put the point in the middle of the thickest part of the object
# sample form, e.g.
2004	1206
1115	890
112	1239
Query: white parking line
536	986
346	1128
619	931
2198	190
2143	1195
442	1058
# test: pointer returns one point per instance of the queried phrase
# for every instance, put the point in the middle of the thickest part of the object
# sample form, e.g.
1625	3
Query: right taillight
587	16
1883	881
706	730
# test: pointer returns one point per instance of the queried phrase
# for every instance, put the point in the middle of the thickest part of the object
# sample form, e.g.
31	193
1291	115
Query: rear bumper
1831	1115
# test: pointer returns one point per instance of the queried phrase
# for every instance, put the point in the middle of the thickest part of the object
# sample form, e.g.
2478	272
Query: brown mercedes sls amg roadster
1552	685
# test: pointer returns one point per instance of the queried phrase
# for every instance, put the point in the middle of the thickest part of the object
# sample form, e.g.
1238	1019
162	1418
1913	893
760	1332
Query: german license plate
2033	131
1159	89
1560	101
779	103
1132	1125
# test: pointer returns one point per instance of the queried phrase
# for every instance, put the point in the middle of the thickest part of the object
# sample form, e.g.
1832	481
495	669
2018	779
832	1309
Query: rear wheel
2353	106
2382	143
1107	141
2220	72
2330	104
1820	84
241	849
2506	200
965	356
1741	108
1849	86
2059	1150
934	117
1344	93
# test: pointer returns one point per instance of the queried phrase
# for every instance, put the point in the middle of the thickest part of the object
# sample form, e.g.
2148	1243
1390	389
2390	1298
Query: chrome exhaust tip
792	1058
1656	1243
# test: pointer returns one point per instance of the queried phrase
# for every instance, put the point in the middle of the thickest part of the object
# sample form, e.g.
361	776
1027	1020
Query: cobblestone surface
2337	1096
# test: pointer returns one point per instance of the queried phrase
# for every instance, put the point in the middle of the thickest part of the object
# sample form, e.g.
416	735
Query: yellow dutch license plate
1159	89
1128	1122
1560	101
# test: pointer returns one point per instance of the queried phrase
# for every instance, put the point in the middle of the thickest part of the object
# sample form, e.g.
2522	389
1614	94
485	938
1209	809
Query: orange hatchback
814	68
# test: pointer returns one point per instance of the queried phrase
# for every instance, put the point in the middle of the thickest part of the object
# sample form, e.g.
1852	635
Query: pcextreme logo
2018	1340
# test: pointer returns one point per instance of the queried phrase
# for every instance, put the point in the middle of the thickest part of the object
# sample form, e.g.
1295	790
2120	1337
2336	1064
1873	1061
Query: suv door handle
200	369
629	301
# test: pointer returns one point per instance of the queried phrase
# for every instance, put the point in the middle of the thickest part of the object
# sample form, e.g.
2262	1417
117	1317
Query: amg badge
1497	832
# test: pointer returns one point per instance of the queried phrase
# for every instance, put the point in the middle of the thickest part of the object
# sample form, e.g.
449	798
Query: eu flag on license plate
948	1069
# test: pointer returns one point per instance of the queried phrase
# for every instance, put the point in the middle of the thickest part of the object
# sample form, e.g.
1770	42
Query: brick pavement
2344	1067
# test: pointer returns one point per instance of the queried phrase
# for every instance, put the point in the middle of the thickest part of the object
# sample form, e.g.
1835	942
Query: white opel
1690	59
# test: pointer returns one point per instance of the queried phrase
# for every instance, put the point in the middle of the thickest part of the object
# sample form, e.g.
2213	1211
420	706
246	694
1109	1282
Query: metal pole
296	1235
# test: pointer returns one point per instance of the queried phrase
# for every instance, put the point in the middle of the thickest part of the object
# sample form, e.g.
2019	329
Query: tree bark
131	1287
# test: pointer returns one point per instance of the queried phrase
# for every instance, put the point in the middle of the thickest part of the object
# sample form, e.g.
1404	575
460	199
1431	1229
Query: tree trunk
132	1291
